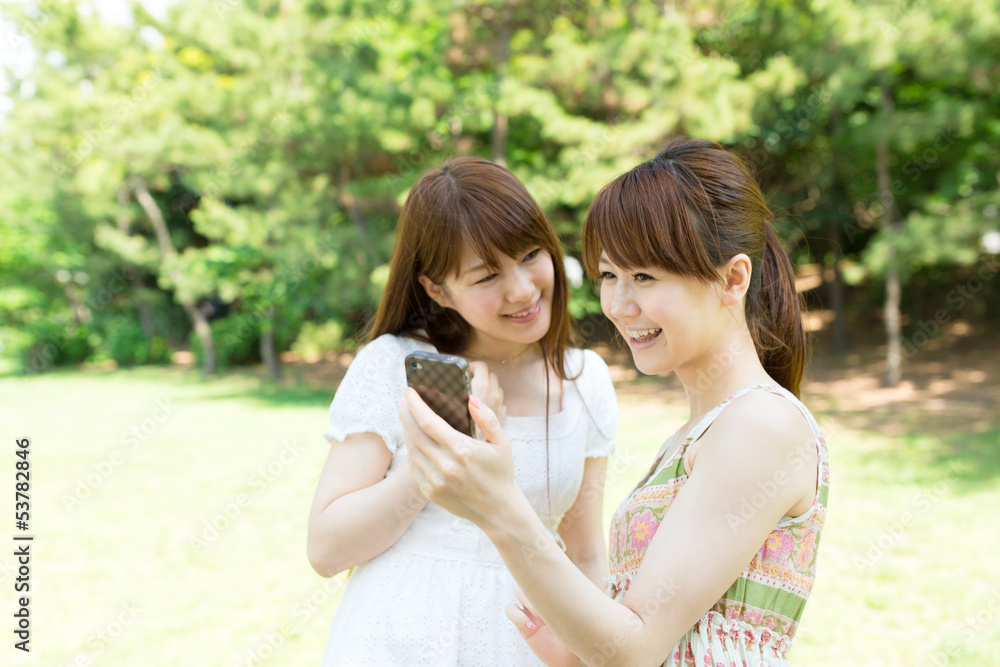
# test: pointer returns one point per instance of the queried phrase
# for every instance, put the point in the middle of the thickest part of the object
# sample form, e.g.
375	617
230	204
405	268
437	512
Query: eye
486	279
605	275
531	255
642	277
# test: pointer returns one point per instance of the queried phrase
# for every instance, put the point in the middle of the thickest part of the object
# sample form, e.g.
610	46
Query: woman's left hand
470	478
539	637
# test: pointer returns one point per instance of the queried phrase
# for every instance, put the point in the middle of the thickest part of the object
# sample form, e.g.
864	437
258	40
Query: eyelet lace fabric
437	596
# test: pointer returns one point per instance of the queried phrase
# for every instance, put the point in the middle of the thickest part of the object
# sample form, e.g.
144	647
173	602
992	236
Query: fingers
423	424
418	463
486	420
519	617
486	387
525	603
480	377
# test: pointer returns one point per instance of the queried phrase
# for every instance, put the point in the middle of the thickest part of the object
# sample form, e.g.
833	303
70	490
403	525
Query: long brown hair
475	201
688	211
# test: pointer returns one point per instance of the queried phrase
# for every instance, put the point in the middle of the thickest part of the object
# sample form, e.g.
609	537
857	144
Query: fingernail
475	401
530	626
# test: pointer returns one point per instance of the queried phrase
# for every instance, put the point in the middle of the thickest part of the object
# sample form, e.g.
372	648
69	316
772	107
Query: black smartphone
444	382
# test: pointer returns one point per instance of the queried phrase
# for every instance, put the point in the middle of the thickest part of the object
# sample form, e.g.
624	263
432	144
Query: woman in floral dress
713	554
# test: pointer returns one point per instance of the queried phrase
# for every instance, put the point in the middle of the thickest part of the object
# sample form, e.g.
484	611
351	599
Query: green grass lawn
169	518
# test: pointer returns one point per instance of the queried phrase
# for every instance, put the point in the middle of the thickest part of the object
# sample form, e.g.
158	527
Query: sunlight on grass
170	518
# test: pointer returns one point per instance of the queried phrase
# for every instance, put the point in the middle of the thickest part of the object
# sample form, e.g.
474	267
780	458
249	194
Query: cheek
544	275
606	294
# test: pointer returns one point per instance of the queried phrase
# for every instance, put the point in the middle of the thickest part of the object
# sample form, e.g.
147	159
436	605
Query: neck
500	352
725	369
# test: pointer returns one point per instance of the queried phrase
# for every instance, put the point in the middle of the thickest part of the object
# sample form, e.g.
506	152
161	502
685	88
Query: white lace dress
437	596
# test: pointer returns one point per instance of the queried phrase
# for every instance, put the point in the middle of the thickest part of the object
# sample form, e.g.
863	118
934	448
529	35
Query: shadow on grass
276	394
973	458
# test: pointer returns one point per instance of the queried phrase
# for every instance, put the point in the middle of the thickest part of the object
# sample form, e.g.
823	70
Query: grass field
169	520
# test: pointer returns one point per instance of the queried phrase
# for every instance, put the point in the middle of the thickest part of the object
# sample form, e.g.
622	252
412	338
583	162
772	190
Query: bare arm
582	529
358	512
674	586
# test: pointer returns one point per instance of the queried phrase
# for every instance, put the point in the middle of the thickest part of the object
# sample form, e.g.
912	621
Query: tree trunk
893	319
347	200
834	234
145	315
267	349
198	320
836	289
499	138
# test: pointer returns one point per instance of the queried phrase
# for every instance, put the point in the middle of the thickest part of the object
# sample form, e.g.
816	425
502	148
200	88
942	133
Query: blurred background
197	204
223	178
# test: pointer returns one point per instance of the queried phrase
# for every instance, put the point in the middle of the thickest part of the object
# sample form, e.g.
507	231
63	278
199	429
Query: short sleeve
367	400
601	403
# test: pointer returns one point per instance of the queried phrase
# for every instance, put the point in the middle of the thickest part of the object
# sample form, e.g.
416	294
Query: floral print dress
754	622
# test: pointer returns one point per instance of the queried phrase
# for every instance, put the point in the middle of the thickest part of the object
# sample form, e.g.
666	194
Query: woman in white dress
477	271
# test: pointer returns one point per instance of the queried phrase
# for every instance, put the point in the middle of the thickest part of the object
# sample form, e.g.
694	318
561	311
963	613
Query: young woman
477	271
713	554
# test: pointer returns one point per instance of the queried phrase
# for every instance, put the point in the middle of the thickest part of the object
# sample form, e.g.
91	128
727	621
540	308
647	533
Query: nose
521	287
617	301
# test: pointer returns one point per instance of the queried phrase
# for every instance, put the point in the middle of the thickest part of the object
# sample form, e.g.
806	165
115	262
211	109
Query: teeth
523	312
639	333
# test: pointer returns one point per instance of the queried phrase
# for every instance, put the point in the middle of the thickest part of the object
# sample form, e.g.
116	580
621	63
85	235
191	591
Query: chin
649	366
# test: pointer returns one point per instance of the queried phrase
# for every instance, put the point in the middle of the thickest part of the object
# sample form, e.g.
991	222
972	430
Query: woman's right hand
486	387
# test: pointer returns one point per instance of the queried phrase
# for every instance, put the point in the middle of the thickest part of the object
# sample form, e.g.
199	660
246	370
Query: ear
736	274
434	291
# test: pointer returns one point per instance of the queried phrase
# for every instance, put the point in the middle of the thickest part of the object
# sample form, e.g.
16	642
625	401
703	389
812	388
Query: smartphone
444	382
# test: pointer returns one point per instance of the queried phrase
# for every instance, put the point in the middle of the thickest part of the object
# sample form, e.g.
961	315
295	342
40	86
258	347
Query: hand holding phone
444	383
486	387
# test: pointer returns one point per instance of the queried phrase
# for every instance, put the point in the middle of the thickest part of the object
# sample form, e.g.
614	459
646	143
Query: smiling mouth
526	311
642	335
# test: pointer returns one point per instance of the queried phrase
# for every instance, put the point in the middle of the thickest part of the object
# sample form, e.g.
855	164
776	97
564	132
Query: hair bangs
505	224
640	220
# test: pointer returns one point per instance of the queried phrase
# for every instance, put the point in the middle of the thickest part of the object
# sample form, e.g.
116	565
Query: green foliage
315	339
237	341
278	142
126	343
50	344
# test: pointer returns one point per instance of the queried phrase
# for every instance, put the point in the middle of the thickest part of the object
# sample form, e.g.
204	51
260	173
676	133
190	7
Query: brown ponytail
774	316
688	211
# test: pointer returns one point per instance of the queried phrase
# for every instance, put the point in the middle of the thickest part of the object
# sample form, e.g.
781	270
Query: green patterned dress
753	624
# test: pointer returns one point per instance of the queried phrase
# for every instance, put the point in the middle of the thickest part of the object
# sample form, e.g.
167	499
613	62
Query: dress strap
706	421
778	390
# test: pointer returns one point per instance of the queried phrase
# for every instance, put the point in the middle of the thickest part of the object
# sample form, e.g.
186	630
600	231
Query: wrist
515	524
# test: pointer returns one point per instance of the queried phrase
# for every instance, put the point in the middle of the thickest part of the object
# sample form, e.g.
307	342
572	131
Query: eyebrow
472	269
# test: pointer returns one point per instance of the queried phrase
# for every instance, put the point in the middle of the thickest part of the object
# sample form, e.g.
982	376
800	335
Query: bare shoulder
761	437
768	425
